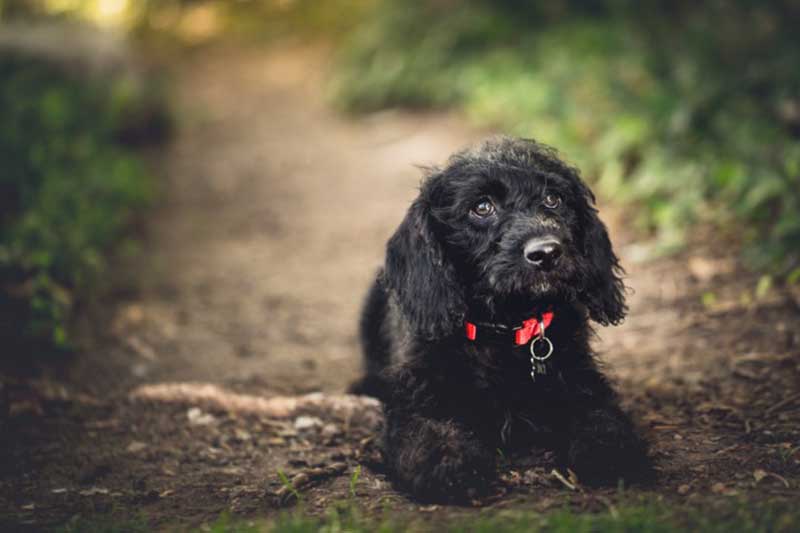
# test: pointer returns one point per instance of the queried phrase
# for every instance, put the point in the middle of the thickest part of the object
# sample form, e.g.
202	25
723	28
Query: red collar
522	334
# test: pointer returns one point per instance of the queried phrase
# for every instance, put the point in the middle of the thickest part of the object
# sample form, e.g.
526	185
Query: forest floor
190	390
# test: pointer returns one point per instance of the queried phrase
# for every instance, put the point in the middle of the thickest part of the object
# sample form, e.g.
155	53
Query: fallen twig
783	403
726	450
761	474
559	476
780	478
746	374
290	490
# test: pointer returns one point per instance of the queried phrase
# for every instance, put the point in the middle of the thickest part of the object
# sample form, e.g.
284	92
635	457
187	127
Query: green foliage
688	110
354	480
290	486
68	187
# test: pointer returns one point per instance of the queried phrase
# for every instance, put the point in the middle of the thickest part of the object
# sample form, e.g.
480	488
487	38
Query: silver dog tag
538	361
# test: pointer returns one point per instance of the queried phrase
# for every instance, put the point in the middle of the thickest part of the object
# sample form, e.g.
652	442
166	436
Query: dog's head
505	225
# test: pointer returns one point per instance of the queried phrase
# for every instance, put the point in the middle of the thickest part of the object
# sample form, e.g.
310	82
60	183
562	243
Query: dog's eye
484	208
551	200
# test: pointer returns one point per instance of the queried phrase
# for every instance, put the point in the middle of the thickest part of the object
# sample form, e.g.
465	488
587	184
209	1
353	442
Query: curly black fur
451	403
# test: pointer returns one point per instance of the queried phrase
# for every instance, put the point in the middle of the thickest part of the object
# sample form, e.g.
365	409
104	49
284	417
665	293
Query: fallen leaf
93	491
197	417
306	422
242	434
136	447
330	430
718	488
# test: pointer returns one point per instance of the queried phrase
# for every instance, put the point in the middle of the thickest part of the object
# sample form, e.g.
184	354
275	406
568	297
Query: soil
190	392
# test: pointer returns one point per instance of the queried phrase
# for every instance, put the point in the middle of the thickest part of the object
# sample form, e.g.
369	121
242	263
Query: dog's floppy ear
603	292
421	279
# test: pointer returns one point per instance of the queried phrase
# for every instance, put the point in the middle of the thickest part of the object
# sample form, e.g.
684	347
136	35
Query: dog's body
503	234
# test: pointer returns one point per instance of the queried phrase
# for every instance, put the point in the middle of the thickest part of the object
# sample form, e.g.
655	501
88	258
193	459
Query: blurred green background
687	111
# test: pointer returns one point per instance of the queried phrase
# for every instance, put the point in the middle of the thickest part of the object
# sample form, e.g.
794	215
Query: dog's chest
511	369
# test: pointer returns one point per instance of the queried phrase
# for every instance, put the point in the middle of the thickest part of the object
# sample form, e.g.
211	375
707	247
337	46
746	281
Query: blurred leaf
709	299
763	287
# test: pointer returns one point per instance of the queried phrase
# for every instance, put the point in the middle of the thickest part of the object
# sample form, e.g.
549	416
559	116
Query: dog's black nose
542	253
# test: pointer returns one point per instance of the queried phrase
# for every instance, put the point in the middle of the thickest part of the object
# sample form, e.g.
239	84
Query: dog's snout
542	253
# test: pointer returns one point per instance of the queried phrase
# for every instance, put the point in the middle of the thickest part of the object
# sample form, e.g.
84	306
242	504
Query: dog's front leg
437	460
603	446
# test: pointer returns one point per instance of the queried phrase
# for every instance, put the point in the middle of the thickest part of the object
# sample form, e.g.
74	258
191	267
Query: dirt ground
191	390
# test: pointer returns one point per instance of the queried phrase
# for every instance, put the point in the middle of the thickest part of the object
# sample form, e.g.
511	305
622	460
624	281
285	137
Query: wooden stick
782	403
342	405
559	476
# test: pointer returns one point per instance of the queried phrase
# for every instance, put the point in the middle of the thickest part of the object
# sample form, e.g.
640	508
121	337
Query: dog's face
504	226
514	232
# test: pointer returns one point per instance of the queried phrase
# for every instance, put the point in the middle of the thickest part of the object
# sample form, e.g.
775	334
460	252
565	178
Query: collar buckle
522	334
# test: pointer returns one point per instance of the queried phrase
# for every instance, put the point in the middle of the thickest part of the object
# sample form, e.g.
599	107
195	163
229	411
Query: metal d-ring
546	356
542	338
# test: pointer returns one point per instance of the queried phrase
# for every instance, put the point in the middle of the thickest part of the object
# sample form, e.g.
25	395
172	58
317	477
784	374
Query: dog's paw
608	465
453	480
599	462
443	464
608	453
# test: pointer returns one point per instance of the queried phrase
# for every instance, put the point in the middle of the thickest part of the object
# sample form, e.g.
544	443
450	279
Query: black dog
501	257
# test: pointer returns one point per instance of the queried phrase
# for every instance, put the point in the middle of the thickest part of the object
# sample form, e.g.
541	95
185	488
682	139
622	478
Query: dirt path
275	217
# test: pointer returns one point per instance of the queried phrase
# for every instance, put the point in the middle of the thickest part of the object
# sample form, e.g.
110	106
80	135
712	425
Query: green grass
354	477
287	483
645	516
691	122
69	188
